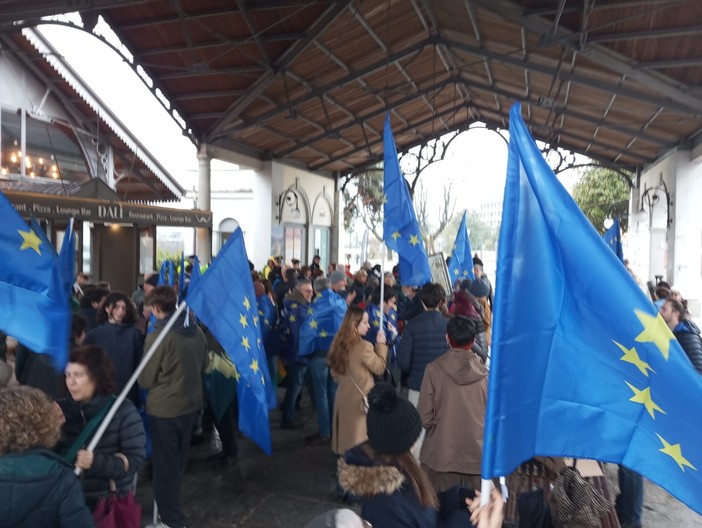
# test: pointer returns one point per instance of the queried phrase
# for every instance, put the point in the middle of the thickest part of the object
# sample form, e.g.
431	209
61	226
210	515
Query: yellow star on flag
414	240
247	303
243	321
313	324
245	342
644	397
385	198
396	235
254	365
293	306
260	312
236	373
323	333
292	318
631	356
378	314
675	452
255	322
263	380
309	311
655	331
30	240
258	343
376	323
456	271
465	273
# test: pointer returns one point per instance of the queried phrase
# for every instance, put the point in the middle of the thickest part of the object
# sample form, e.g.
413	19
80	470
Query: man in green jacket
173	378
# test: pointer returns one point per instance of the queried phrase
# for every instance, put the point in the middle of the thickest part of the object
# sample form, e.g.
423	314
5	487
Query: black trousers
227	428
170	438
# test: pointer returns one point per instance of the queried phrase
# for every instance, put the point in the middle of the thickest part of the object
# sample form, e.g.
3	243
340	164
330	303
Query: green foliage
162	256
481	235
603	193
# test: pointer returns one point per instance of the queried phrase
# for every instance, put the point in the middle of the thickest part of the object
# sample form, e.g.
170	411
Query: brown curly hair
27	419
99	367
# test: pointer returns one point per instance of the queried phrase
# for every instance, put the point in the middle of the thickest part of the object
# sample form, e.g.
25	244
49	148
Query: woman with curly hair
352	362
121	450
38	486
117	334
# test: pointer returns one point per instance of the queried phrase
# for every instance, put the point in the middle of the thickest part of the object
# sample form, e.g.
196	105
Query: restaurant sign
104	211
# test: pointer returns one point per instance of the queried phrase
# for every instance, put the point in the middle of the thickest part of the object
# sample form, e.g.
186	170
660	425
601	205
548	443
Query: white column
203	247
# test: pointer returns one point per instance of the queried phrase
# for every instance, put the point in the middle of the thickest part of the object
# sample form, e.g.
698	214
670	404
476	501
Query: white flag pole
122	395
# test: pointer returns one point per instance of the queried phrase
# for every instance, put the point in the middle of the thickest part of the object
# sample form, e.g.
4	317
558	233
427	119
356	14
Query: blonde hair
27	419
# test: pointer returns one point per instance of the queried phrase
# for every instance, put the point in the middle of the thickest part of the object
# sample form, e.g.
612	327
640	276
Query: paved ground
297	483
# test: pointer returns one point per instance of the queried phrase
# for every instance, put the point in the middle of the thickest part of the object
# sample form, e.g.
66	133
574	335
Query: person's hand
84	459
489	516
350	297
380	338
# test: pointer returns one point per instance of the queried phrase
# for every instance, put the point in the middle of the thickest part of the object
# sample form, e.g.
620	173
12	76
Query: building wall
674	251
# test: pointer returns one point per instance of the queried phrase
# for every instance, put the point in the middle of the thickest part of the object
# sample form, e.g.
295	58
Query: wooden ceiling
310	82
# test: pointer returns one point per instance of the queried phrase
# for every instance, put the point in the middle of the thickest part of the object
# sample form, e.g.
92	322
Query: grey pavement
287	489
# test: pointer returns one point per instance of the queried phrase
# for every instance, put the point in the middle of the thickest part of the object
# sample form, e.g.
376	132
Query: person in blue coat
38	487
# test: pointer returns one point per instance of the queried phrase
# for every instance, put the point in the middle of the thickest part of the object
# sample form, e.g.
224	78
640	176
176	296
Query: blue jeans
324	392
630	499
296	374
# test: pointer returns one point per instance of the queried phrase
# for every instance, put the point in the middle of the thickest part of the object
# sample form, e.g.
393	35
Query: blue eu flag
35	307
401	231
576	370
323	321
223	299
67	258
613	238
462	257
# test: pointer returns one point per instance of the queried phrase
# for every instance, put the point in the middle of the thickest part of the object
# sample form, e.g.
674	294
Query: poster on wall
439	271
277	240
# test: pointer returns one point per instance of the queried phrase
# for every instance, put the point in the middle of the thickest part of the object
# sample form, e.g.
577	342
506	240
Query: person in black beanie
382	473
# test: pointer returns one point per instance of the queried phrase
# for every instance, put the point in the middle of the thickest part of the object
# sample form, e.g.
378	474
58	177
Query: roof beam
218	44
254	32
577	7
674	93
673	63
352	76
197	71
294	51
650	34
206	95
682	104
359	120
168	19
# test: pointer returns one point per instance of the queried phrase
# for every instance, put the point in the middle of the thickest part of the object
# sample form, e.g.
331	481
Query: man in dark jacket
686	332
173	377
423	340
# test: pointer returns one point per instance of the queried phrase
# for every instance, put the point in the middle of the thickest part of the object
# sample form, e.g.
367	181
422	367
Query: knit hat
479	288
393	423
336	276
477	261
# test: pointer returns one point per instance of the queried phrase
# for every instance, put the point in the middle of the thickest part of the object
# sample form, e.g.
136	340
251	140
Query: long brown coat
349	423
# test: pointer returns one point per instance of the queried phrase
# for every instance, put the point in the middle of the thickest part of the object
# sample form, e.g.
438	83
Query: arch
289	201
225	229
323	203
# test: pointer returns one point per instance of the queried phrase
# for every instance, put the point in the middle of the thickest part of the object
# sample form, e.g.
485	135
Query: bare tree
446	211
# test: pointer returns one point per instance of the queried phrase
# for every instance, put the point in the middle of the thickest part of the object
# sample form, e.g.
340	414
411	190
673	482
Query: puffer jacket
38	488
688	335
124	344
423	340
125	435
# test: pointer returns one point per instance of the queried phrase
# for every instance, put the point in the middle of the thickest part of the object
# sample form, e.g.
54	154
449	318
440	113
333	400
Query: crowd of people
397	377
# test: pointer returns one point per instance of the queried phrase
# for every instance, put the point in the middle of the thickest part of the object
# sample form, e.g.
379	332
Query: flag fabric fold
613	238
462	257
223	299
35	307
582	364
325	314
401	231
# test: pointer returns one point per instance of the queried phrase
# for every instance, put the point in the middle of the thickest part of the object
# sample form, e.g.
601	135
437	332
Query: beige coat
349	423
452	407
